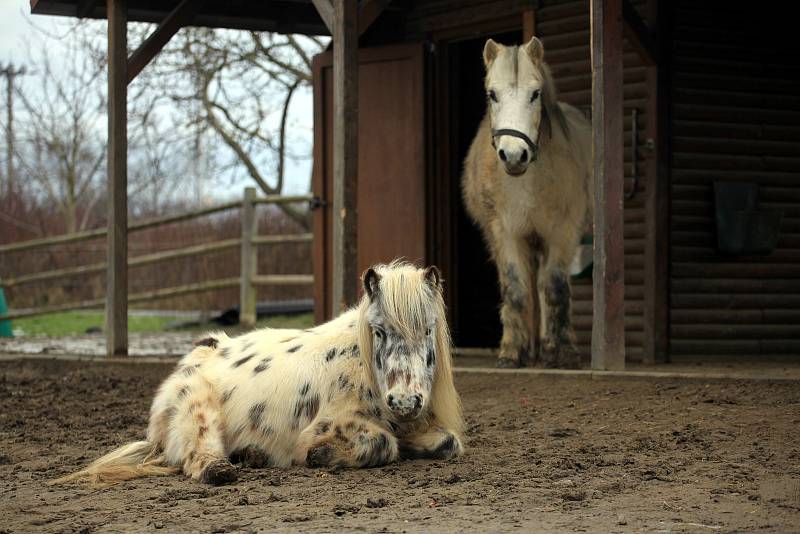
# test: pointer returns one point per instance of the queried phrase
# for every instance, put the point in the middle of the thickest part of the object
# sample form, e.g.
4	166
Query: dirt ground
545	453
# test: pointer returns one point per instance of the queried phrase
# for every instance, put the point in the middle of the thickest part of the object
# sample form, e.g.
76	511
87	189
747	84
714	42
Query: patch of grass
302	320
76	322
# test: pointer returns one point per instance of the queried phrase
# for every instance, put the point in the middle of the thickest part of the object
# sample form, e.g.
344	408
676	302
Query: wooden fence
248	243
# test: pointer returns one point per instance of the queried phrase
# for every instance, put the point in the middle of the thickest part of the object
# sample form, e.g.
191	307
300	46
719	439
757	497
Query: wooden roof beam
368	12
638	34
85	8
325	10
181	16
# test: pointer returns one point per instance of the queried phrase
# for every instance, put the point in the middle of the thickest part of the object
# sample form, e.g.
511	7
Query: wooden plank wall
736	116
563	27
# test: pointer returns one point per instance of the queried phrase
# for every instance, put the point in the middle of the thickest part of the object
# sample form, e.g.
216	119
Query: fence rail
249	242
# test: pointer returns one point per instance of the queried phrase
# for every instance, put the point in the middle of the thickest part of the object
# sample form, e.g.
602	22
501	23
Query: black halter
534	148
544	126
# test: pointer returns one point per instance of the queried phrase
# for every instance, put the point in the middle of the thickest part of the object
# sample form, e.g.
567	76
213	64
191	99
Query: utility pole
10	72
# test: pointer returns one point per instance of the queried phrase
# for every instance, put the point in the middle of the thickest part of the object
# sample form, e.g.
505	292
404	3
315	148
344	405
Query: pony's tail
134	460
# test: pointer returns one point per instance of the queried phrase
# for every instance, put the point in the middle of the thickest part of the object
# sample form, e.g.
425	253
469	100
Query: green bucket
5	326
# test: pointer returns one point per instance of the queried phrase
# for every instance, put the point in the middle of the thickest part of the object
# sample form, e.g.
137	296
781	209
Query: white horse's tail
134	460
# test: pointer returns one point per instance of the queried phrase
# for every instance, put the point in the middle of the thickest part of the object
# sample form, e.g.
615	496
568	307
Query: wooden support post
529	31
528	24
117	250
656	257
345	154
608	325
247	295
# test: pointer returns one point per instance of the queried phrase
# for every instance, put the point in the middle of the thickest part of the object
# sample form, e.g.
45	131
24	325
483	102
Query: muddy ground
545	454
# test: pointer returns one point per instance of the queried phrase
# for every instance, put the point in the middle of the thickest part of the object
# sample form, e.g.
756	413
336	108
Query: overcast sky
14	29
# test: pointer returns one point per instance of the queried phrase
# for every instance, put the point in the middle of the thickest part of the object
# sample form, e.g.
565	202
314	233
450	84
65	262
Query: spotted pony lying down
367	388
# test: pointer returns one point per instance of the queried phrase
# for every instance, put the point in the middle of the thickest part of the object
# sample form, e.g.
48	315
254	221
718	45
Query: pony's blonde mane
405	297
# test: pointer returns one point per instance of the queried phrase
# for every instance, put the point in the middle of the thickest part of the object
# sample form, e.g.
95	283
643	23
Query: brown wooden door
391	177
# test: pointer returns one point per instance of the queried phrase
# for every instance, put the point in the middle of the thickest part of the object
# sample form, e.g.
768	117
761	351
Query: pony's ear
490	51
370	279
535	50
433	276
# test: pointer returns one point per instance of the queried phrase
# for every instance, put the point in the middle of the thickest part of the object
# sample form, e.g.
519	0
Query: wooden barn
696	112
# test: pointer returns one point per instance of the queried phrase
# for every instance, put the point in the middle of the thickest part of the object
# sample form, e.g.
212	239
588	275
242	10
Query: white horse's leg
513	260
555	328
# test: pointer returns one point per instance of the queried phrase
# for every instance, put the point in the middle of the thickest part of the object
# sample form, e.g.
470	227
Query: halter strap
519	135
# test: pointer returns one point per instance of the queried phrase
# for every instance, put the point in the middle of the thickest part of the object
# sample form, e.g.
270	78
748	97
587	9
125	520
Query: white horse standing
369	387
527	183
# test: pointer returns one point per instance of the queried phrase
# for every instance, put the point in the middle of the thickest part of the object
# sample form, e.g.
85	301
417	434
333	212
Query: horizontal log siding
735	116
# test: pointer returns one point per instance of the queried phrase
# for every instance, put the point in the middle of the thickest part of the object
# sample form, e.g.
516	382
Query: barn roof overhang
282	16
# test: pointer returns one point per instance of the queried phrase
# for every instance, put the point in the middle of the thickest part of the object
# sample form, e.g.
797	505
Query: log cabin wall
735	117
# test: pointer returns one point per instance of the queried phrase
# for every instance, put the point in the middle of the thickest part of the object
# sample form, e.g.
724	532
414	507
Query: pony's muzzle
404	406
515	149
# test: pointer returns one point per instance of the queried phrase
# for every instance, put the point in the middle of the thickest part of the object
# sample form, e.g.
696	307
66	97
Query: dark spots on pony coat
184	392
304	390
294	349
306	407
431	358
225	353
376	450
330	355
255	413
207	342
226	395
322	428
190	370
242	361
343	382
263	365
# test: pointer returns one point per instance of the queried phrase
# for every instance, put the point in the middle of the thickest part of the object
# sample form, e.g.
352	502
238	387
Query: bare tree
62	130
62	148
239	86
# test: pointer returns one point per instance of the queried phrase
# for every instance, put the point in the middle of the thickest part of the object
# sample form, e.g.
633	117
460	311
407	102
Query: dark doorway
475	317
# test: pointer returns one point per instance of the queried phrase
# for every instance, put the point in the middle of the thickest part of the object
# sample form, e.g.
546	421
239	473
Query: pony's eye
492	96
535	95
379	333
